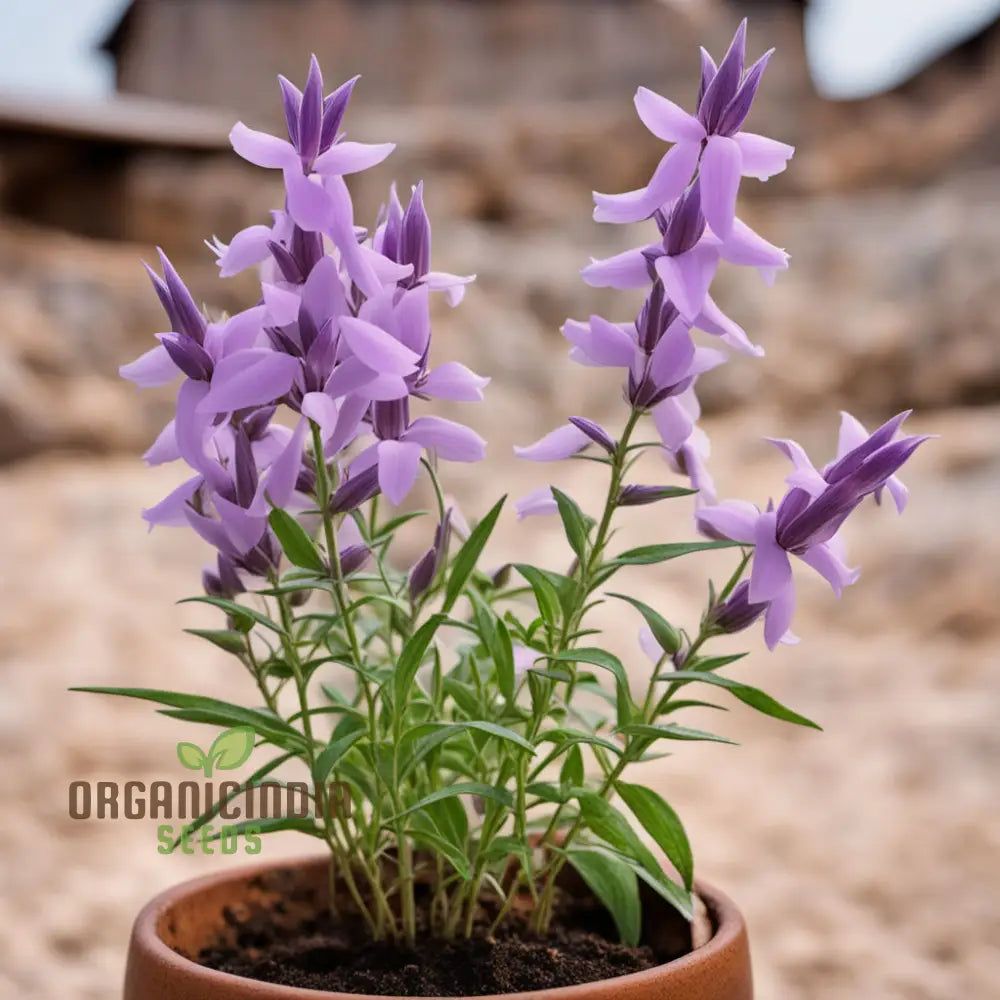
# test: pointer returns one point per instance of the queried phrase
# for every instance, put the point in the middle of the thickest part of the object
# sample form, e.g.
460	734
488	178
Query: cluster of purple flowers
340	337
691	197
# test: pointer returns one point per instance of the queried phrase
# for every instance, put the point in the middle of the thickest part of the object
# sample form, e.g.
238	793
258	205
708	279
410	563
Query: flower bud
355	491
736	612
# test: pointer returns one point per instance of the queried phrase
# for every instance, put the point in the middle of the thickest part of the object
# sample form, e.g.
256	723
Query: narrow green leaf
272	824
711	663
751	696
490	728
571	774
574	522
490	792
606	661
295	541
546	595
663	824
426	833
664	633
673	732
615	885
648	554
243	617
610	825
231	642
465	559
211	710
411	657
332	753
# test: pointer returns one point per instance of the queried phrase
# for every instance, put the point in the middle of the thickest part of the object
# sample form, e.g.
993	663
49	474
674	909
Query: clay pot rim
726	918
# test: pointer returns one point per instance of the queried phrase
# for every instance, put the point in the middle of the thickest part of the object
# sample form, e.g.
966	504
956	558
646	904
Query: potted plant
466	737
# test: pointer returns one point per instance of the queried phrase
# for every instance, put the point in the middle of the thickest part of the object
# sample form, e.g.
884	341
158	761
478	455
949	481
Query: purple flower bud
415	242
639	496
736	612
708	71
287	264
310	115
333	113
246	476
353	557
187	316
739	107
656	315
500	577
422	574
391	418
306	248
355	491
291	98
596	433
228	577
306	481
188	355
686	223
720	92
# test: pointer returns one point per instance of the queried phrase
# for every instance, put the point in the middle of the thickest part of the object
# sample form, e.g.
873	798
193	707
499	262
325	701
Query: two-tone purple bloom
806	521
341	336
710	142
685	259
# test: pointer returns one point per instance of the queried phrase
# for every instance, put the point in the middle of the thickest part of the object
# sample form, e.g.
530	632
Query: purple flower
806	523
540	501
854	443
405	237
686	259
313	140
709	142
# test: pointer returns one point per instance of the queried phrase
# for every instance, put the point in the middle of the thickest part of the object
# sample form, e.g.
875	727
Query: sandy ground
865	857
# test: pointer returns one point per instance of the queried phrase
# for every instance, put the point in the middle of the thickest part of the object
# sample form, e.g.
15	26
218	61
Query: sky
855	47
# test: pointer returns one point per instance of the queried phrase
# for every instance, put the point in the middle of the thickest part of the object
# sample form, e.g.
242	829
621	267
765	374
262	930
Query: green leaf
423	831
467	556
196	708
610	825
295	541
606	661
491	728
547	792
574	522
332	753
497	795
572	775
664	633
751	696
711	663
545	593
190	756
615	885
243	617
673	732
648	554
412	656
231	642
663	824
272	824
232	748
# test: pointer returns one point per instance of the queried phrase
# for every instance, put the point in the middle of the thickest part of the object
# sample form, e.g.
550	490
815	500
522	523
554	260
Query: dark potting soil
323	954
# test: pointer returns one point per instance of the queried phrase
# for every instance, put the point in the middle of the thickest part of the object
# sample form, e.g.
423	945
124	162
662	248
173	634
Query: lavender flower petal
452	441
261	149
398	465
720	181
558	444
761	157
668	181
666	120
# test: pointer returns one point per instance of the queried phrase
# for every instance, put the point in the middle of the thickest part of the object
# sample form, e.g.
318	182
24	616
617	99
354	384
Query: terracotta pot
181	921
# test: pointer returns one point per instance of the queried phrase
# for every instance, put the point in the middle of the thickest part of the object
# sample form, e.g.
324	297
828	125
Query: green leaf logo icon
230	749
